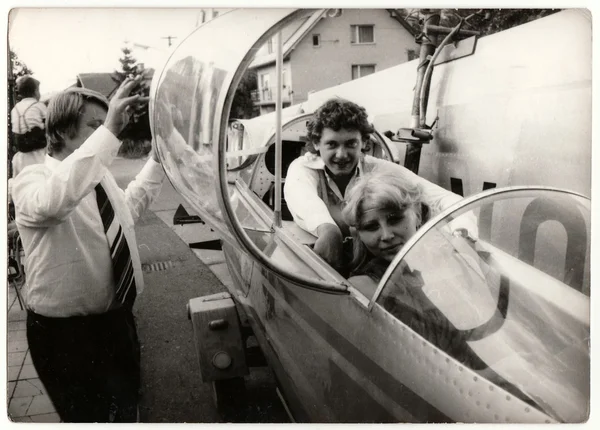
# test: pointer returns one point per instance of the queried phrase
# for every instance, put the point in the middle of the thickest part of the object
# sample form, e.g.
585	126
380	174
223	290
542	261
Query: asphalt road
172	391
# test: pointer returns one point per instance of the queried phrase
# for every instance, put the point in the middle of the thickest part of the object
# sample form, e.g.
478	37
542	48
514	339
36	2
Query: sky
59	42
90	40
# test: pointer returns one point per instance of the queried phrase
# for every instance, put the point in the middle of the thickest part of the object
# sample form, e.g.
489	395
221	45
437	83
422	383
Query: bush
135	148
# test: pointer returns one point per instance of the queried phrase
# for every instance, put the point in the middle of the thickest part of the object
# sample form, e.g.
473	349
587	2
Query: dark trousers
90	365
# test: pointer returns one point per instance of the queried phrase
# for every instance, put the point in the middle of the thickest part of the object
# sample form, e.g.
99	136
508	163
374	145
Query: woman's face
384	230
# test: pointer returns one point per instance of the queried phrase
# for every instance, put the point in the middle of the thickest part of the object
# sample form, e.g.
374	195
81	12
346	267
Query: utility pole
169	39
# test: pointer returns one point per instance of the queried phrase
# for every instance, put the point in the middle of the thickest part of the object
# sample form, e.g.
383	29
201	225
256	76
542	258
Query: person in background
28	119
316	183
84	271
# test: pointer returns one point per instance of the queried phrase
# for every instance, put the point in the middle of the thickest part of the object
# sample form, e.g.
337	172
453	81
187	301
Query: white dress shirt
27	114
24	159
21	160
310	211
67	258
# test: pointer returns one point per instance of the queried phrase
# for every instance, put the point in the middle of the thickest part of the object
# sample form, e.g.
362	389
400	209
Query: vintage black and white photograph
292	215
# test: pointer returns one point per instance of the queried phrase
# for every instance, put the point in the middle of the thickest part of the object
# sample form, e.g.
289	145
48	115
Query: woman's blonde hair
389	191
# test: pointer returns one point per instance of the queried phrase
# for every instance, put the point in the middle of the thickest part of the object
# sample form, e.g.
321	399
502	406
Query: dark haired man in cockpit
316	183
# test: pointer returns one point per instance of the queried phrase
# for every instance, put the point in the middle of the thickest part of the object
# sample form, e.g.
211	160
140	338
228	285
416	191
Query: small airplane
509	113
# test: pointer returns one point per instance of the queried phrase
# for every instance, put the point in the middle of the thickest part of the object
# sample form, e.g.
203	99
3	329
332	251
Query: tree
242	105
128	66
18	67
486	21
136	135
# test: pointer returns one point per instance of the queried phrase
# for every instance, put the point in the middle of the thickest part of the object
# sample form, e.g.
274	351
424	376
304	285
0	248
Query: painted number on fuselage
456	186
486	212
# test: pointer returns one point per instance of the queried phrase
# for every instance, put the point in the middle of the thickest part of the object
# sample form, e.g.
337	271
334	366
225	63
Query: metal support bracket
413	135
454	51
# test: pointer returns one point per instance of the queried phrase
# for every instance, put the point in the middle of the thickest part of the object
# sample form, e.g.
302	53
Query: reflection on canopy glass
513	304
188	104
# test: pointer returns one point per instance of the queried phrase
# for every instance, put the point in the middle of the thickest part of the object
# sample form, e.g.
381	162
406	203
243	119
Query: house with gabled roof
100	82
104	83
326	49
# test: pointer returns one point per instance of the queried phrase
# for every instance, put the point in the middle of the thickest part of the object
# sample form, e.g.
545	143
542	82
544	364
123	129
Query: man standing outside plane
83	265
316	183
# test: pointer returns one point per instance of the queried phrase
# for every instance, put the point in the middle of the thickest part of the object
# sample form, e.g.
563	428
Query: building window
270	46
316	40
362	70
264	81
265	87
412	54
362	34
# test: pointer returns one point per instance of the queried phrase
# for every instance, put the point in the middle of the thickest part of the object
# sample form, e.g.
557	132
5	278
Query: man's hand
329	245
119	106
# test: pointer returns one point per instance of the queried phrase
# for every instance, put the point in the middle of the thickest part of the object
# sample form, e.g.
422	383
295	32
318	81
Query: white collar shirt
67	257
27	114
20	161
23	159
310	211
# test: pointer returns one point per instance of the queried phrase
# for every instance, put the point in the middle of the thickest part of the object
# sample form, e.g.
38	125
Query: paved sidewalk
28	401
